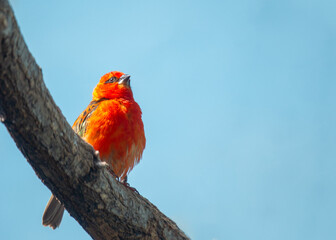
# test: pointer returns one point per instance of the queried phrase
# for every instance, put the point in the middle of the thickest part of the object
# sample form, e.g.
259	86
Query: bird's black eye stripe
111	80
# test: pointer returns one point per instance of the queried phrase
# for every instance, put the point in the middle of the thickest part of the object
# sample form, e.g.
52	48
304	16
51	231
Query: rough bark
61	159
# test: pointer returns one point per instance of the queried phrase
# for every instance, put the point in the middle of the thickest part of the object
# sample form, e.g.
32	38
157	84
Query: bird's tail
53	213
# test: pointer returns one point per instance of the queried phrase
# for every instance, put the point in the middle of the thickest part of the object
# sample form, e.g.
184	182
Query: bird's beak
125	80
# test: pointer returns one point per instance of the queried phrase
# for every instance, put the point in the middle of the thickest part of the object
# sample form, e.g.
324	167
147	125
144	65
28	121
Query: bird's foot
96	153
112	173
126	184
129	187
100	163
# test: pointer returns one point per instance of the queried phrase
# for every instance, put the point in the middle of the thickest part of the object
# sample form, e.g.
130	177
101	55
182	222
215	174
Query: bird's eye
111	80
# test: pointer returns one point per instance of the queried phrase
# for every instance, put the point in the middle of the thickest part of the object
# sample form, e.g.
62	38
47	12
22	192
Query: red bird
112	124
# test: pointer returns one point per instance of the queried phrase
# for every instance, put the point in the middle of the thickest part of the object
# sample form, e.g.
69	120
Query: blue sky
238	101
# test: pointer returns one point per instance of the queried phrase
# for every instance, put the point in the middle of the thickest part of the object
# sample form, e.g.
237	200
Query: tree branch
61	159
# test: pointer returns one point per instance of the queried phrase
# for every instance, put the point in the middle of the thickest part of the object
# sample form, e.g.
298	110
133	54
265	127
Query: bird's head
113	85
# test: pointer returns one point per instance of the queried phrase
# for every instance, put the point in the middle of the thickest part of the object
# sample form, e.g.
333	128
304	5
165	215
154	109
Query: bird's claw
103	164
129	187
100	163
126	184
112	173
96	153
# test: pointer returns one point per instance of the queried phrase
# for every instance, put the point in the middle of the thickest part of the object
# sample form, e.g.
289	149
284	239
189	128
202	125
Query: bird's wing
80	124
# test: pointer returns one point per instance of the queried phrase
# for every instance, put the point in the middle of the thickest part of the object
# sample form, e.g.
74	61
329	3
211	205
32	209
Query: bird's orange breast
116	130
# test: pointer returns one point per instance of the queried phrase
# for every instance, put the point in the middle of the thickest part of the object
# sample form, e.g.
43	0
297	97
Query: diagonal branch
61	159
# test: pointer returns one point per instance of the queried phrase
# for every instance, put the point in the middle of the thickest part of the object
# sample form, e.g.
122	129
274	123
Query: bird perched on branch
112	124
